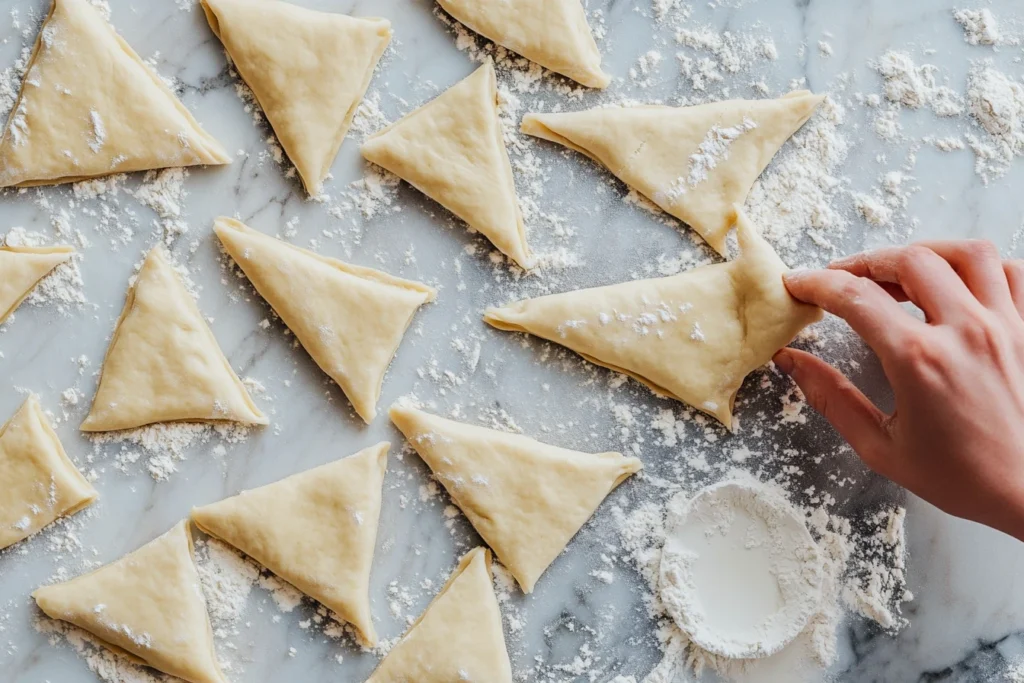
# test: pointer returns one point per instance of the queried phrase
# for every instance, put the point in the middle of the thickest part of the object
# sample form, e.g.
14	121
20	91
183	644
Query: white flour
980	26
739	571
914	86
164	193
996	103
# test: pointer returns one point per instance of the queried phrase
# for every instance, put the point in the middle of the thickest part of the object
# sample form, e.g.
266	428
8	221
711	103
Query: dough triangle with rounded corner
525	498
89	107
21	269
458	638
693	162
350	319
39	481
163	363
308	70
452	150
147	605
316	529
693	336
553	33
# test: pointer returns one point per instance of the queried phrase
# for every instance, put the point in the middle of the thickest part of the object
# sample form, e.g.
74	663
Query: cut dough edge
58	249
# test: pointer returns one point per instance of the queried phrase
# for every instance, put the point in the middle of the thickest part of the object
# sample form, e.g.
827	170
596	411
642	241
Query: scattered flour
980	26
62	289
996	103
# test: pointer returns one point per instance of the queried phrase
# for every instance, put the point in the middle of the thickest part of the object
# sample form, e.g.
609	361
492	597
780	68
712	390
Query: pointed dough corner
553	33
459	637
350	319
22	268
316	529
147	605
452	150
163	363
527	499
39	481
309	71
693	162
90	107
693	337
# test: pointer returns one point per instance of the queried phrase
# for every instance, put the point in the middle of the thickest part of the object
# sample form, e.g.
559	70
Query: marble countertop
967	619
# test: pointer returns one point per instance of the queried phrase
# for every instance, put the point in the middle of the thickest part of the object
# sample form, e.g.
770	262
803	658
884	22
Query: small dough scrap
316	529
452	150
553	33
458	638
163	363
693	336
525	498
21	269
309	71
90	107
350	319
148	606
39	481
693	162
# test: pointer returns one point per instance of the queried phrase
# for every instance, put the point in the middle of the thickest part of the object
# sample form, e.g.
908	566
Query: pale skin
956	437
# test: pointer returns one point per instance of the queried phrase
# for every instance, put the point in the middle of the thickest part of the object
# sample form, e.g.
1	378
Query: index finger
869	309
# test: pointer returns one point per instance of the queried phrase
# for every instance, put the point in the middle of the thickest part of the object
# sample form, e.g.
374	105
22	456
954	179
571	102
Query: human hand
956	437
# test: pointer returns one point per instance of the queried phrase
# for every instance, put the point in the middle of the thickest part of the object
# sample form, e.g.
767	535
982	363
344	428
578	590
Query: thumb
856	418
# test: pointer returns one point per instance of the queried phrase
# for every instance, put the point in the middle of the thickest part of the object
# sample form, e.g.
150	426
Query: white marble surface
967	619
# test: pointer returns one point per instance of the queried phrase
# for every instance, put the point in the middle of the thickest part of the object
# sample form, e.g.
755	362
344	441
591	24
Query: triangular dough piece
316	529
693	337
39	481
163	363
147	605
21	269
308	70
525	498
693	162
458	638
90	107
350	319
452	150
553	33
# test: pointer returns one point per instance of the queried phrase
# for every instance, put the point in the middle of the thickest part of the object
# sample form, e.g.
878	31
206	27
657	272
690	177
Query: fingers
926	278
1014	271
829	392
979	265
869	310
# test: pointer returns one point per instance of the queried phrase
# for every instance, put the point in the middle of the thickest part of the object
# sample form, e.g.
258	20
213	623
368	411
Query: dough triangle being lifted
163	363
39	481
452	150
316	529
553	33
525	498
693	162
458	638
693	336
89	107
148	605
308	70
350	319
21	269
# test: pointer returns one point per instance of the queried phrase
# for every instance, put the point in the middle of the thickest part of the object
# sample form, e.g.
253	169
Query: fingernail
784	362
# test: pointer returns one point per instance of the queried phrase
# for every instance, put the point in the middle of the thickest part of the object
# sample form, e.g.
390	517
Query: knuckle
913	256
983	335
982	250
853	287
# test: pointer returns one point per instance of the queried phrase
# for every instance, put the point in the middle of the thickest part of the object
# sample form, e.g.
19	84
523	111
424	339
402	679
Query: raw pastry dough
693	162
38	480
458	638
148	605
553	33
309	71
21	269
90	107
350	319
452	150
163	363
525	498
693	337
316	529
